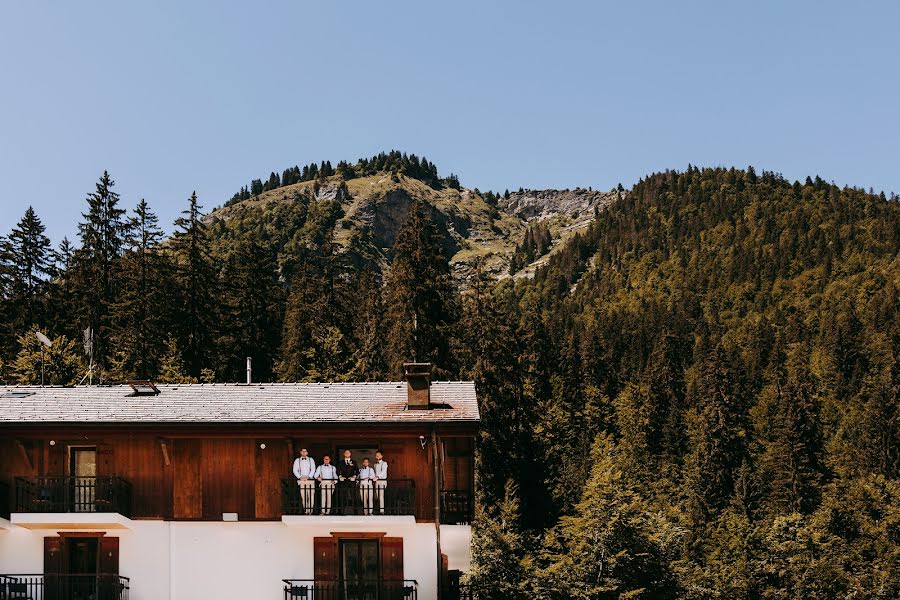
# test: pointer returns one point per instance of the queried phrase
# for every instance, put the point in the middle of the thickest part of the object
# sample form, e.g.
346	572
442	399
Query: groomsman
326	475
381	478
348	473
305	472
366	485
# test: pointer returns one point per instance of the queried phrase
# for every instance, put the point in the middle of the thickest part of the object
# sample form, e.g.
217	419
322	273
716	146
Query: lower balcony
72	502
63	587
347	498
360	589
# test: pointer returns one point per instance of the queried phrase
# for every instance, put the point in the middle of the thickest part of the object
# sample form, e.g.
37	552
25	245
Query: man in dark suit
348	473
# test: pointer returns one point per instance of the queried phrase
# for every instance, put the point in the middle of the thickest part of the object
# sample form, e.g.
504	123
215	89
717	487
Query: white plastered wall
191	560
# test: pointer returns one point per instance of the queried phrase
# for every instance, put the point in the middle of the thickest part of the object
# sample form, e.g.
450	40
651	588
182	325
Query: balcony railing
358	589
4	501
456	507
73	494
63	587
348	498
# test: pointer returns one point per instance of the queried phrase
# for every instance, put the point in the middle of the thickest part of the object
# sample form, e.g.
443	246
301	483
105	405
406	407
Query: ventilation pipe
249	370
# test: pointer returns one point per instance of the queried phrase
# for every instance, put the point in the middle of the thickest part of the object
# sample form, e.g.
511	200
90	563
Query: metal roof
377	402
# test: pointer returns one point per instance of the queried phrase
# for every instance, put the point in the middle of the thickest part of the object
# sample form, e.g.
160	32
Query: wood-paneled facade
189	472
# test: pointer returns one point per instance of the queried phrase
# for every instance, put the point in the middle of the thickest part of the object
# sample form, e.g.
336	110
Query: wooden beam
290	446
165	451
25	456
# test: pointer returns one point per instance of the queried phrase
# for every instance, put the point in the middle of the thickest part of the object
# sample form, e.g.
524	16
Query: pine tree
94	278
251	320
421	297
717	437
369	362
30	254
498	549
197	285
141	312
171	365
611	546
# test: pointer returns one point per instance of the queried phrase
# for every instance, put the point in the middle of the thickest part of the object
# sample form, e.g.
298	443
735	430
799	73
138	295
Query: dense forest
696	396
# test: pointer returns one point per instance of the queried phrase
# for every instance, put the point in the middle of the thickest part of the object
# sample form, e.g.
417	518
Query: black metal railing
73	494
456	507
398	497
64	587
356	589
4	500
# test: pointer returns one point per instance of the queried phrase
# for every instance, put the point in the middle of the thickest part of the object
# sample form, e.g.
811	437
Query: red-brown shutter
325	563
106	460
53	555
392	558
109	555
56	463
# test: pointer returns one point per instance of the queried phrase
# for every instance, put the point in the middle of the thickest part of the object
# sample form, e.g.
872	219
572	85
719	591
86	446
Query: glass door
83	468
81	568
360	569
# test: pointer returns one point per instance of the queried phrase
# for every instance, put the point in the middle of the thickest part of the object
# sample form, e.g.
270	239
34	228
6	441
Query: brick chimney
418	385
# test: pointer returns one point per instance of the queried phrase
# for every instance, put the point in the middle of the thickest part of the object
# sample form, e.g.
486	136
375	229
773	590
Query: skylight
143	387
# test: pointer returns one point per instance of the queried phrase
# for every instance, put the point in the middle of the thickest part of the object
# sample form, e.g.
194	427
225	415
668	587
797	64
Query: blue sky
176	96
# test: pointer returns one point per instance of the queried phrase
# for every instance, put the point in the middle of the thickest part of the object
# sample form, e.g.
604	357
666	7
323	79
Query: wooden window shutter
325	563
392	559
106	460
56	460
109	555
53	551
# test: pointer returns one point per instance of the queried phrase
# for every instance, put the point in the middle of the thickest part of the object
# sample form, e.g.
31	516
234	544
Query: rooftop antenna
45	342
88	338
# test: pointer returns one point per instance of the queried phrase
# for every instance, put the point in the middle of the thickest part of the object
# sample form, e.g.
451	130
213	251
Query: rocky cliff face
577	204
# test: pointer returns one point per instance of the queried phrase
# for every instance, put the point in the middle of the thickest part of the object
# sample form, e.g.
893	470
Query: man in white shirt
326	475
381	476
305	472
366	486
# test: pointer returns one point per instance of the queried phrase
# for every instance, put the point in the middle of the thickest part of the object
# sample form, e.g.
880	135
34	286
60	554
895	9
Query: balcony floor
71	520
371	520
4	524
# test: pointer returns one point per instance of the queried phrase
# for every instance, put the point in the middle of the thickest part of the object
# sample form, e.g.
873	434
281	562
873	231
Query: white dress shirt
304	467
366	473
381	469
326	472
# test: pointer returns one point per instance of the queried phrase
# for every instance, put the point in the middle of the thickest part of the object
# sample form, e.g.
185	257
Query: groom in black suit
348	473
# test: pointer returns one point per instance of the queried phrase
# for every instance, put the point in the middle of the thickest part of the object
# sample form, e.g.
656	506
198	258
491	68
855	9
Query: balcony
64	587
361	589
456	507
349	499
72	502
4	500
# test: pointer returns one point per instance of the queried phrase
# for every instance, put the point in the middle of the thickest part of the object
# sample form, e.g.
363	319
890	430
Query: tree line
696	396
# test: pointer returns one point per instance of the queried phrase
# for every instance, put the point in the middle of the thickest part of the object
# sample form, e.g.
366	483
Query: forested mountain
689	389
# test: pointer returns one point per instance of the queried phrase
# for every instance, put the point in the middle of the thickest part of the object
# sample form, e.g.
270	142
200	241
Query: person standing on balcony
366	486
305	472
326	475
381	475
348	473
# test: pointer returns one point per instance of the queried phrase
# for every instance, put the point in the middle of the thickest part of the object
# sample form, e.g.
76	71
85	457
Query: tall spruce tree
421	297
252	313
197	287
31	261
141	312
94	280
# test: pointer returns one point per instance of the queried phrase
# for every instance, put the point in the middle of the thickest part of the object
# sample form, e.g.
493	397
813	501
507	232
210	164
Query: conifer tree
252	319
102	238
197	285
171	365
717	439
421	297
30	254
369	362
498	549
141	311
